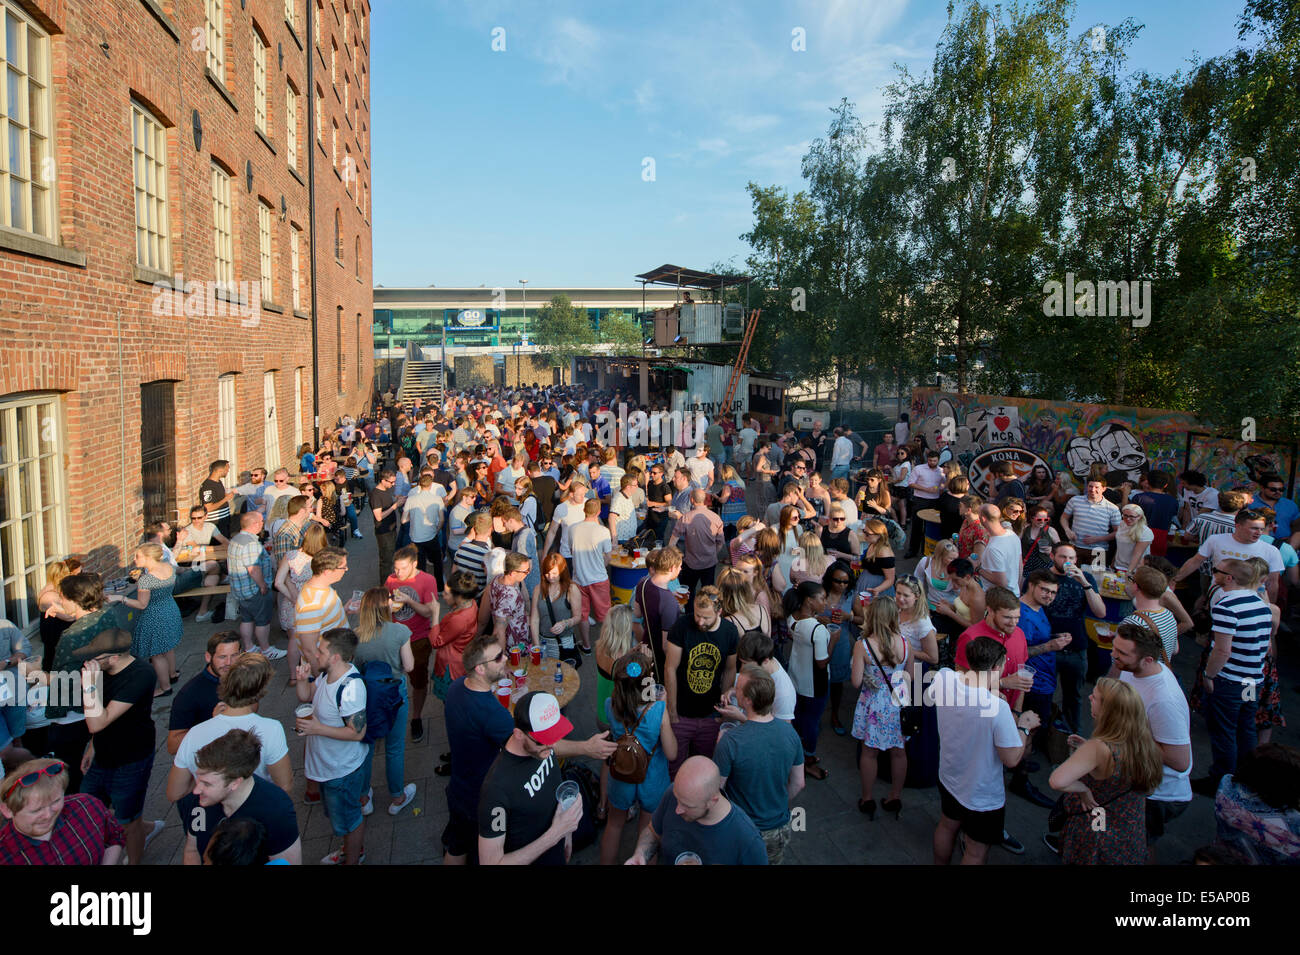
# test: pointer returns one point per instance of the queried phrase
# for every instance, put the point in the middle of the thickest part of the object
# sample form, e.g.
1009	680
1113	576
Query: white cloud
645	95
716	146
573	51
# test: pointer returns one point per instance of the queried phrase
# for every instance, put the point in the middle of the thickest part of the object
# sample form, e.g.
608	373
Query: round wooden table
541	678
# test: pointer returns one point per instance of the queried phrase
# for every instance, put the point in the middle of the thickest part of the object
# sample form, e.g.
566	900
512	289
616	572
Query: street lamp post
524	337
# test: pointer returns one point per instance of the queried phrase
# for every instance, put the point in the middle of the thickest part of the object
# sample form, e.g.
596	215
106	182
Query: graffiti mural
1073	437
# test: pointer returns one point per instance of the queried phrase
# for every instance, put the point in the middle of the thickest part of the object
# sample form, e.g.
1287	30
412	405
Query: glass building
493	317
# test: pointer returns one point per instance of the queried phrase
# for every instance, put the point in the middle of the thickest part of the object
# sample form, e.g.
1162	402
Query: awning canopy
690	278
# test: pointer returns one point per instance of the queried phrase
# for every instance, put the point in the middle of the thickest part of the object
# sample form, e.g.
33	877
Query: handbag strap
883	675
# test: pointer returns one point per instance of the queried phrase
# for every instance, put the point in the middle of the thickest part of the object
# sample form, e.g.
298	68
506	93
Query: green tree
624	334
562	332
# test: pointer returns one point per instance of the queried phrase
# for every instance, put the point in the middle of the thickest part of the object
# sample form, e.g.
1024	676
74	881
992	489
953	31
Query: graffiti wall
1070	438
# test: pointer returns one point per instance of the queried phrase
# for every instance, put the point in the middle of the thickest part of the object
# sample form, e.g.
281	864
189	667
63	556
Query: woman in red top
453	633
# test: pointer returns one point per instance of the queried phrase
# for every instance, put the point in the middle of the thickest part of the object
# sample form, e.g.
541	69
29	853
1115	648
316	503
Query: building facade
493	317
185	265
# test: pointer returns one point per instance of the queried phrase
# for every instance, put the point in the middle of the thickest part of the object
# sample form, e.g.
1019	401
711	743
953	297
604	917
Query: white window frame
33	187
291	13
267	272
222	229
215	38
270	422
149	152
228	421
295	267
291	124
259	82
25	556
297	410
320	117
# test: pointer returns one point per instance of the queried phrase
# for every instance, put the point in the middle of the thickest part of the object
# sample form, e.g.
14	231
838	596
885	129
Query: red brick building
185	267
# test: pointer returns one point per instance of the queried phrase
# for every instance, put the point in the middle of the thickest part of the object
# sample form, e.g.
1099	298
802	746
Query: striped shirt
1208	525
1091	520
471	557
318	609
1166	626
1247	621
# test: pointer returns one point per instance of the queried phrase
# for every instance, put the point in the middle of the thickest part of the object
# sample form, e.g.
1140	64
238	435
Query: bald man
702	532
694	817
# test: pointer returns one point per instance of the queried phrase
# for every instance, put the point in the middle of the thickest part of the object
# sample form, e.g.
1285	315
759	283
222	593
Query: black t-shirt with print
703	664
518	795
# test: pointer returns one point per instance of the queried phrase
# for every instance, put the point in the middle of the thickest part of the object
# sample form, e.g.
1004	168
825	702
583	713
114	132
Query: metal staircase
420	378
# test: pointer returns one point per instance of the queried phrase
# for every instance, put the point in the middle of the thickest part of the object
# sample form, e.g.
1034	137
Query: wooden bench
204	591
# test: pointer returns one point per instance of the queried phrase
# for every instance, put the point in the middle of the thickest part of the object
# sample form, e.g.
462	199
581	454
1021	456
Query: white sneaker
274	653
203	617
369	806
336	858
157	827
408	794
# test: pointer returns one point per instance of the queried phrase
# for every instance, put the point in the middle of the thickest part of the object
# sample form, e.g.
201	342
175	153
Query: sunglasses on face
30	779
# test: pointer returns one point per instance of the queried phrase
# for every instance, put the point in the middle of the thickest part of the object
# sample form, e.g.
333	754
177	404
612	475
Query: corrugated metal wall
706	386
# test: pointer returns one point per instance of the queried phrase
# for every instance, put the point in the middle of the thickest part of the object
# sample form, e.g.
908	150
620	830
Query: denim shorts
257	610
122	787
342	798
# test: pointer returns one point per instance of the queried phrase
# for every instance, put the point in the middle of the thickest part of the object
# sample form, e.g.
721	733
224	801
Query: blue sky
494	166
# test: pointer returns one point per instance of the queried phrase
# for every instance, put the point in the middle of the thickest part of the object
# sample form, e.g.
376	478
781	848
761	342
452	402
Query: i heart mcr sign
1022	461
1004	424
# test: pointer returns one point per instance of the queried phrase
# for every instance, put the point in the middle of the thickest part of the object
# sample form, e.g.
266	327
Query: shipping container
706	386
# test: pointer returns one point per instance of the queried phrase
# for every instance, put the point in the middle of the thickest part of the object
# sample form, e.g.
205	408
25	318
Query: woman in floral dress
158	628
1107	779
877	721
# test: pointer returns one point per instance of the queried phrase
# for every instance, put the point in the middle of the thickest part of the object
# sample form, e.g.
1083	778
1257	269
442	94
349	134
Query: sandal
815	771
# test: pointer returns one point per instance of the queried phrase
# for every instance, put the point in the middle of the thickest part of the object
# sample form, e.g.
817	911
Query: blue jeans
394	753
123	787
840	471
352	518
1231	720
807	720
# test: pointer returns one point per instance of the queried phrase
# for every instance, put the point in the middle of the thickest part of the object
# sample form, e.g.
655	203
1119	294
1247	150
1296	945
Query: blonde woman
294	571
1113	770
878	560
158	628
838	540
739	605
1132	539
812	562
732	507
54	619
914	619
881	652
380	638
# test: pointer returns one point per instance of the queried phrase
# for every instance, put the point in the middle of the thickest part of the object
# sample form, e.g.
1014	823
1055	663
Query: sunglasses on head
30	779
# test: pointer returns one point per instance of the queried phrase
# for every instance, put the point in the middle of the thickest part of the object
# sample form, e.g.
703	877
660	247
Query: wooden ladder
736	371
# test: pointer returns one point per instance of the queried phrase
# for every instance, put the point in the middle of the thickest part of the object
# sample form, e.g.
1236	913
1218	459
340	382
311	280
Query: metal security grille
158	450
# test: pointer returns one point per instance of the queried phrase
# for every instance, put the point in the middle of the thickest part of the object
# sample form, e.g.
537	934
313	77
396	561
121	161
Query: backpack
383	699
630	762
589	785
897	536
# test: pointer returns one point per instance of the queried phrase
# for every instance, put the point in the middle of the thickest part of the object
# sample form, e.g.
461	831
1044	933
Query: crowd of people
774	605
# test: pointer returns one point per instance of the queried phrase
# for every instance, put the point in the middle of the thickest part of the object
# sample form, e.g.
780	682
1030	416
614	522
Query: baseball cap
538	714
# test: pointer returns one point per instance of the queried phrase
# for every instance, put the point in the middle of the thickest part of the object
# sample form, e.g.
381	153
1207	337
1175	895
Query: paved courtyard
836	833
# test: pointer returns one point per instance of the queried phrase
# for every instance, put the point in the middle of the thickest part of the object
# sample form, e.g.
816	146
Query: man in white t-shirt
701	468
745	439
841	455
1242	544
336	755
568	514
1136	651
1194	497
1000	564
242	685
978	738
591	546
927	482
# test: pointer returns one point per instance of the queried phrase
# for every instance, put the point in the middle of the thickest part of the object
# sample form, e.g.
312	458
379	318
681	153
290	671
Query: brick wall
98	331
